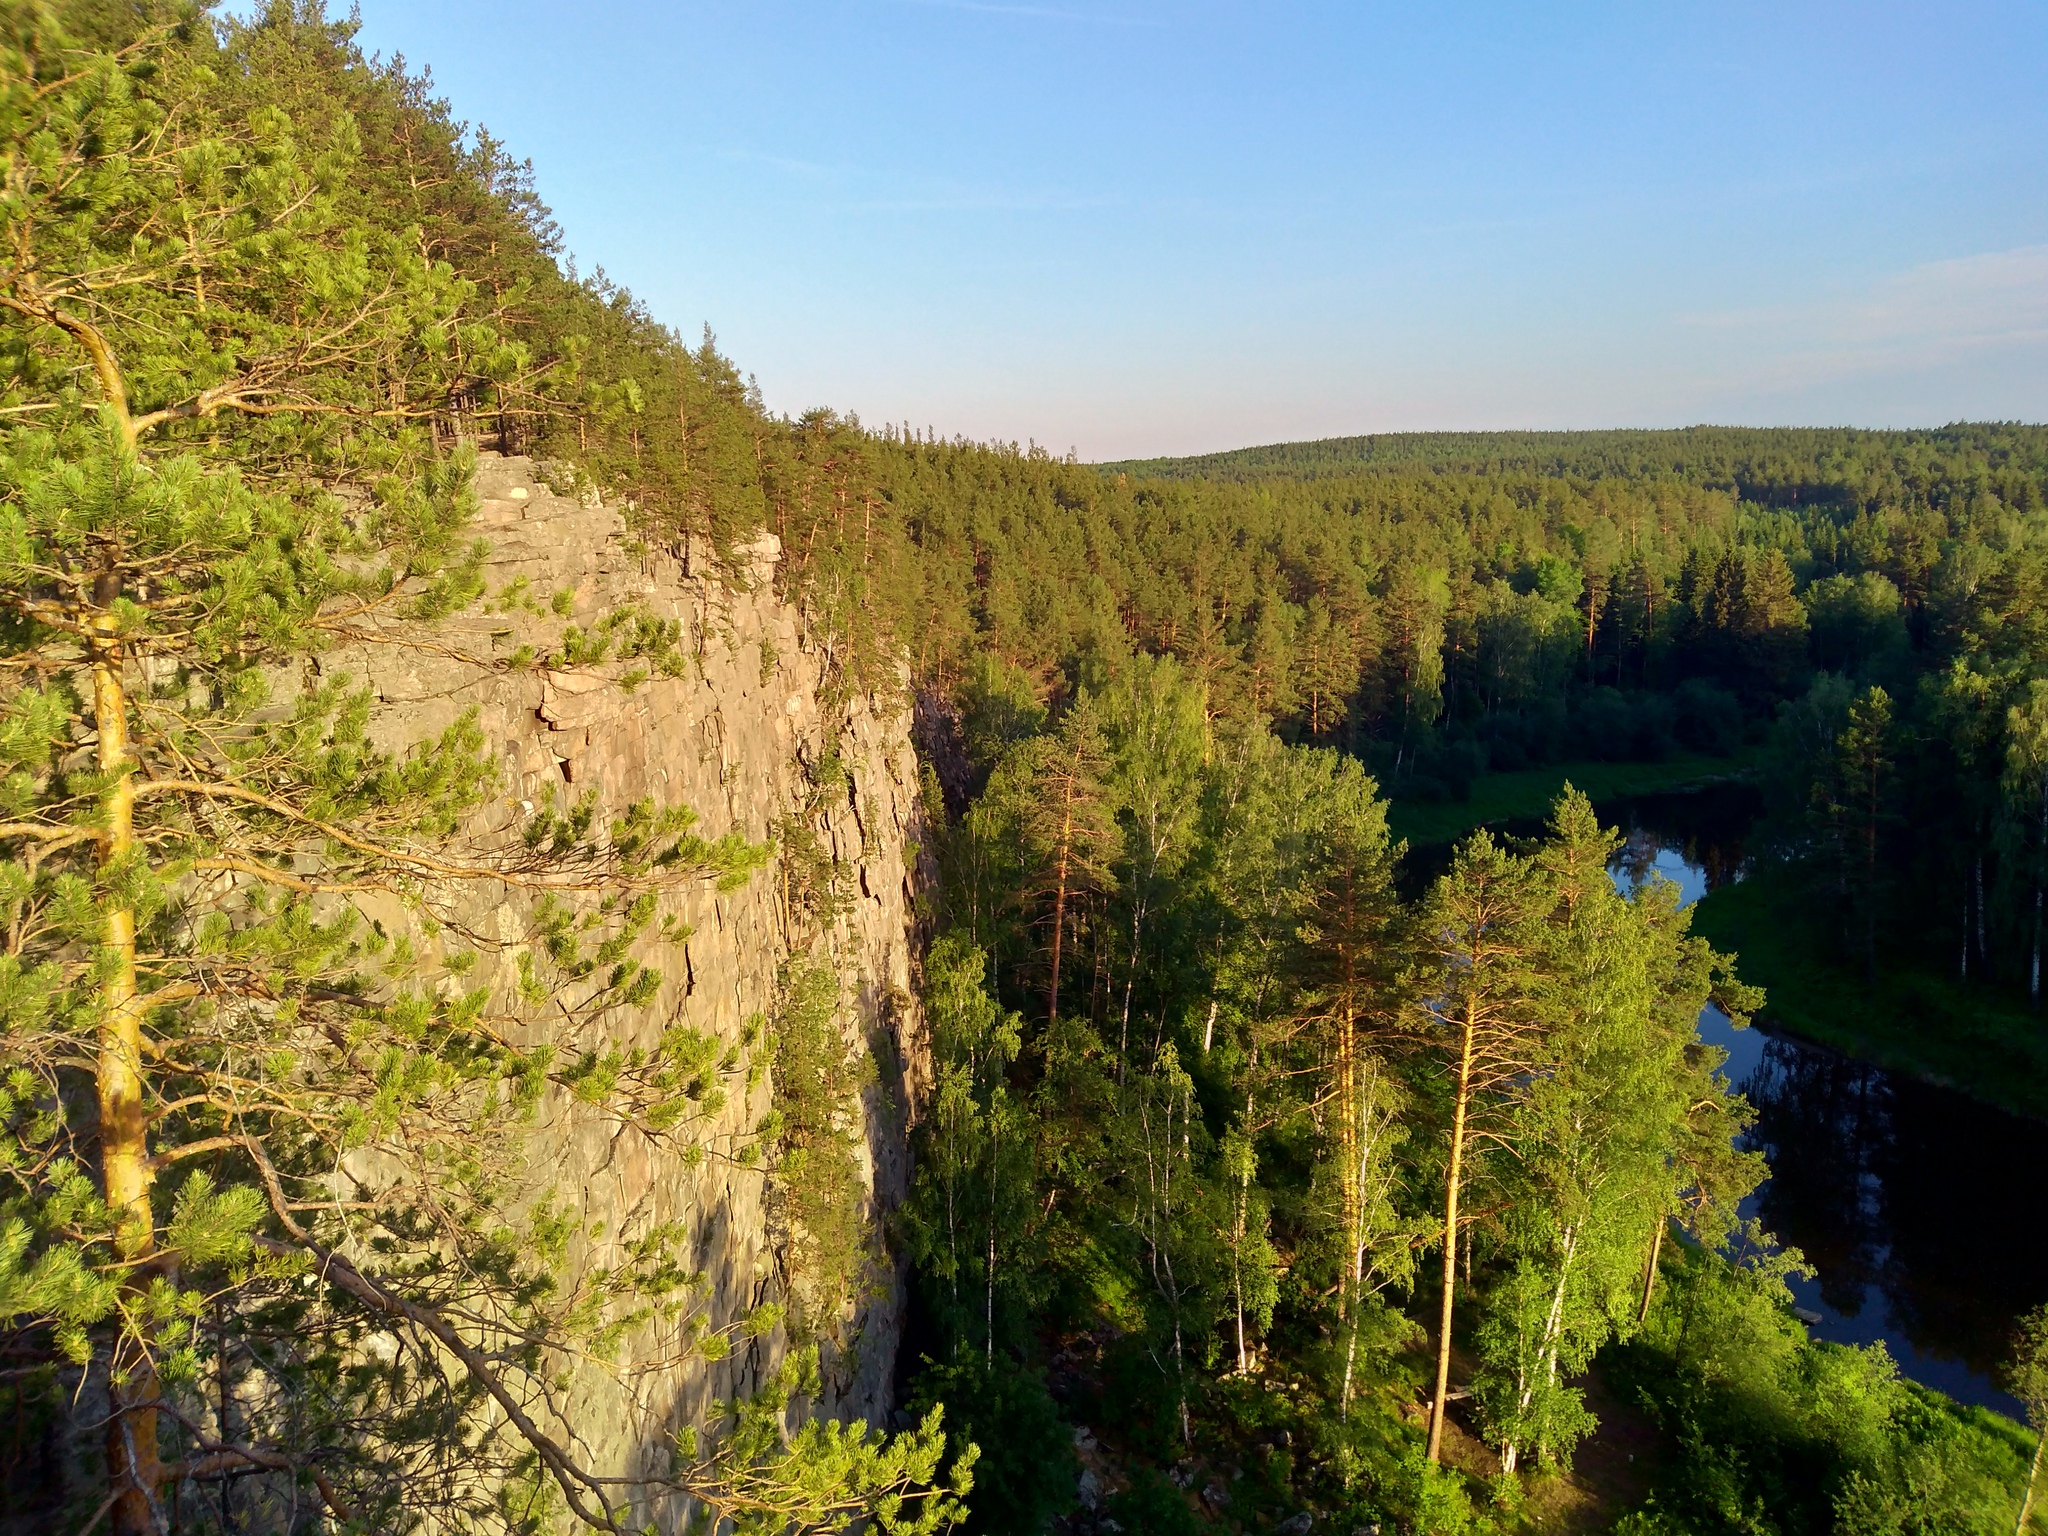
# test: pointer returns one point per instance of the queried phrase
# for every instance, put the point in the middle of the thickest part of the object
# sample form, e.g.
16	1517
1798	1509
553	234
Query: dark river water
1923	1213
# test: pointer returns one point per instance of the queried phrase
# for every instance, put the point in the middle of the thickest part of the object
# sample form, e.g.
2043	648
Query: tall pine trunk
2034	976
1059	900
1456	1172
1059	928
995	1163
1239	1228
1983	947
1353	1182
124	1144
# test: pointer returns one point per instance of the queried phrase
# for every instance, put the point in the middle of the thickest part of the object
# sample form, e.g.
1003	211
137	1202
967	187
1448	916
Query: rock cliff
740	736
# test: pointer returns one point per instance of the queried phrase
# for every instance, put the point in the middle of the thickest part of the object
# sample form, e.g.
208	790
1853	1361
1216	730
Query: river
1923	1212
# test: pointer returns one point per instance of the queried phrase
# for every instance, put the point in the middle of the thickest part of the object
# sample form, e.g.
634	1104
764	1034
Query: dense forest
1163	707
1262	1183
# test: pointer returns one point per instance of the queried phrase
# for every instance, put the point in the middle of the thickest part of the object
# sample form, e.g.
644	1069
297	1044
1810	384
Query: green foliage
2026	1374
1776	1433
1025	1474
813	1132
972	1192
1188	1099
1229	1141
1153	1505
827	1476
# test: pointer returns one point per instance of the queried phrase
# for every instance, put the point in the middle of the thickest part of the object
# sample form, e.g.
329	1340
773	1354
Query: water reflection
1912	1203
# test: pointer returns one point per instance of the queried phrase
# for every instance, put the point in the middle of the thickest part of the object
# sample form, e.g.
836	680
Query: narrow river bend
1923	1212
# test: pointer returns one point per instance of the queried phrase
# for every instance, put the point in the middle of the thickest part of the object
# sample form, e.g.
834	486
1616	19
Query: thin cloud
1938	313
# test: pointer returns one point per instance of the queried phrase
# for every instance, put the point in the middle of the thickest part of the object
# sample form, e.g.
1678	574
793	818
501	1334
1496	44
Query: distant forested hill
1775	464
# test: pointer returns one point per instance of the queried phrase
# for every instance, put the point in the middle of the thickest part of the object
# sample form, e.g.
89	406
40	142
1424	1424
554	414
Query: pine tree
1478	946
1601	1131
2026	810
1351	942
1069	828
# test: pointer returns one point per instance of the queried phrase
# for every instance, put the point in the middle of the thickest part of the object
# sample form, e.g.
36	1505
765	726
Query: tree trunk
995	1163
1650	1269
1546	1351
1059	900
1237	1270
1349	1151
1870	888
1963	972
124	1145
1443	1343
2033	1472
1059	928
1983	948
2034	980
1123	1043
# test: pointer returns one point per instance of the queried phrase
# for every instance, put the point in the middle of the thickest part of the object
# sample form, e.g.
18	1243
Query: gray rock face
730	738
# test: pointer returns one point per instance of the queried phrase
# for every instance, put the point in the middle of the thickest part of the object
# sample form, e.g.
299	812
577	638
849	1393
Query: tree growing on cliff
264	1202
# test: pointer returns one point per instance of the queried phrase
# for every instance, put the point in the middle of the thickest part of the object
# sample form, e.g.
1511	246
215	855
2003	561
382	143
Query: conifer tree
1351	943
1069	828
1850	808
2026	812
258	1125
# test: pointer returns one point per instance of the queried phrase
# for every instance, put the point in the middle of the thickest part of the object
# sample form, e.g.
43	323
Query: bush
1152	1506
1815	1437
1026	1475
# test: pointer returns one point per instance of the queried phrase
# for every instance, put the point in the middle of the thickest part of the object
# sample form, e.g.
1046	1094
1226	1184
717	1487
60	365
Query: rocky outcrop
739	736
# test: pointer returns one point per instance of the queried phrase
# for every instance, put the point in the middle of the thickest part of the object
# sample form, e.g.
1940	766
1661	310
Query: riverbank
1977	1040
1527	795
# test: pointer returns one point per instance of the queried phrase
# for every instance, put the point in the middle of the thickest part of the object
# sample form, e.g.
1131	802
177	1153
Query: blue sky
1129	228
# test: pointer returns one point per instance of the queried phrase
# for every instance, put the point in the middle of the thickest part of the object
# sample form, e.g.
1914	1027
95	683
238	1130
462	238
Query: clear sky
1130	227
